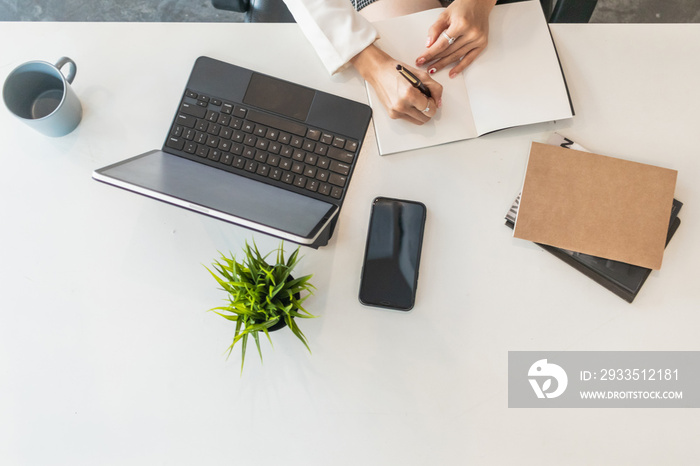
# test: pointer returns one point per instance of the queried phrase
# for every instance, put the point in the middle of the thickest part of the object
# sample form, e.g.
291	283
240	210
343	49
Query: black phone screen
392	255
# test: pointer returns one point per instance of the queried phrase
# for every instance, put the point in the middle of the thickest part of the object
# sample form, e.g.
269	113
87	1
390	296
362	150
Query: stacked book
610	256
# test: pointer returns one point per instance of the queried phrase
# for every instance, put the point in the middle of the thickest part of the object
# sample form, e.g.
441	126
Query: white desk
107	355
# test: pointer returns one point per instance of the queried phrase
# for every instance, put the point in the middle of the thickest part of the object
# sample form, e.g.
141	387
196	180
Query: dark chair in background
275	11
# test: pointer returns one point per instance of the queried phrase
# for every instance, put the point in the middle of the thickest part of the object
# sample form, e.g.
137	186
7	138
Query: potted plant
262	297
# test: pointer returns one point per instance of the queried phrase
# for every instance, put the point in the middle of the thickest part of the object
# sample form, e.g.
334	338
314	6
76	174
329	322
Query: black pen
415	82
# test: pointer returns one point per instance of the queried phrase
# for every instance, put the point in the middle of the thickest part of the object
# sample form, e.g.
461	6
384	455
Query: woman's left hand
459	35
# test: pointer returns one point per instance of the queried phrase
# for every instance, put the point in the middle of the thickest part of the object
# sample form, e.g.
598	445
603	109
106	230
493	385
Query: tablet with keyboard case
254	150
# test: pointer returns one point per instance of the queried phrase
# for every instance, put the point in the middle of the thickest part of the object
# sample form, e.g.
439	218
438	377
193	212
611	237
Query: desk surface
107	354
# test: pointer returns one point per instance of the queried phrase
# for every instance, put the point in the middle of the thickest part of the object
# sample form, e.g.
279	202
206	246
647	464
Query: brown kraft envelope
596	205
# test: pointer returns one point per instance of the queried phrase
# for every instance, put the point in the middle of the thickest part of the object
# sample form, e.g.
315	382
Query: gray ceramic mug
40	95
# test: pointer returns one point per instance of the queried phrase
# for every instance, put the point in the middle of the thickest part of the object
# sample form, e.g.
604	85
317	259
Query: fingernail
427	42
420	61
432	70
439	104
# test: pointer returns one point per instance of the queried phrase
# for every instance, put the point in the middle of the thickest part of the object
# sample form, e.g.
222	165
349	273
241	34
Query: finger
465	62
435	30
435	92
433	86
438	47
459	57
419	107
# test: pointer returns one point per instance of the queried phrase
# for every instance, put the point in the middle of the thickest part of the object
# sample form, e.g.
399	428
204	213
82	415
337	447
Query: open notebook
517	79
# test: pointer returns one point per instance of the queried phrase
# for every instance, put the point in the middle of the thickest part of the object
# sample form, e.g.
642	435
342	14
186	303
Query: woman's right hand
401	100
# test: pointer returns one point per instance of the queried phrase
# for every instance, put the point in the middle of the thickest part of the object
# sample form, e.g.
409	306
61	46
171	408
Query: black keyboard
261	145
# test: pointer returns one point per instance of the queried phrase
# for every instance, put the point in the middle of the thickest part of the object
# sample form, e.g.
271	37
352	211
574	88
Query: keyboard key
250	140
338	180
251	166
313	134
324	189
239	162
287	151
273	160
274	147
260	131
236	123
322	175
339	142
226	108
298	167
309	145
213	129
340	155
189	134
310	159
286	164
340	167
226	158
275	173
262	170
299	155
186	120
327	138
216	102
200	138
201	125
190	147
177	131
261	156
288	177
226	133
203	98
300	181
312	185
225	145
248	126
239	112
202	104
224	120
310	171
272	134
296	142
336	192
237	149
214	154
202	151
175	143
212	116
213	141
284	138
190	94
238	136
351	146
321	149
262	144
323	162
193	109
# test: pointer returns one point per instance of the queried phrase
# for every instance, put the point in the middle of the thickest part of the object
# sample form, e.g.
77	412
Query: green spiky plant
261	295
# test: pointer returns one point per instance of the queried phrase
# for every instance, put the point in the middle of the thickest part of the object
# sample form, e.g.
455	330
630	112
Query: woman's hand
401	100
459	35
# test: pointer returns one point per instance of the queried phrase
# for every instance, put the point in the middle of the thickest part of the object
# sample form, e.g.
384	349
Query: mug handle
63	61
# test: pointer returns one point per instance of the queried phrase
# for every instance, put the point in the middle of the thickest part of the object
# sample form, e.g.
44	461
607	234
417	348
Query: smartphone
392	254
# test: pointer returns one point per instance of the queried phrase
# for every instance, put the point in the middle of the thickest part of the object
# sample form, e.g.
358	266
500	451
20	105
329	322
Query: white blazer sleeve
335	30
